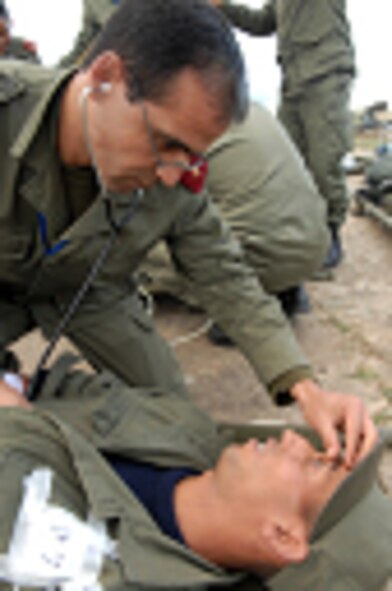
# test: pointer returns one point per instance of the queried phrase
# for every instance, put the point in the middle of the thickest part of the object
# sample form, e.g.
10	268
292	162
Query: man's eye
174	146
323	461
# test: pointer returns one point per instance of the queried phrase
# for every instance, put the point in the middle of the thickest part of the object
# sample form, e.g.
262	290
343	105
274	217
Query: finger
363	437
354	429
369	439
330	441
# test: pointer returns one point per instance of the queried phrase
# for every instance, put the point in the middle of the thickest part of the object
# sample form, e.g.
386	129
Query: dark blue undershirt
154	487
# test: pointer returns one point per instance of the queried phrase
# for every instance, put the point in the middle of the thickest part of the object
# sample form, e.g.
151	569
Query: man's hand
11	397
216	3
331	412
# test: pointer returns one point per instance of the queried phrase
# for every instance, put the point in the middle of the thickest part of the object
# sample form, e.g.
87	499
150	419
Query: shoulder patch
10	88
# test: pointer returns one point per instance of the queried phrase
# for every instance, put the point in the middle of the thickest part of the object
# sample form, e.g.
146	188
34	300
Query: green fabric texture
316	56
314	38
111	327
320	124
83	415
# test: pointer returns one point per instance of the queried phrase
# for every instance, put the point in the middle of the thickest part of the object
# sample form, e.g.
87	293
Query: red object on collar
194	179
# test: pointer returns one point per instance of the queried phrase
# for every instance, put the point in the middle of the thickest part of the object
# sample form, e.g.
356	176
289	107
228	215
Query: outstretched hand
330	413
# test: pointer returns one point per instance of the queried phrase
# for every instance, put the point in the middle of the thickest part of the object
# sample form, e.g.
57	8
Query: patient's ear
283	542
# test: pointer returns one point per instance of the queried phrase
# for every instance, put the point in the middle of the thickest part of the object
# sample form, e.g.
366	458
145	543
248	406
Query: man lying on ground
180	507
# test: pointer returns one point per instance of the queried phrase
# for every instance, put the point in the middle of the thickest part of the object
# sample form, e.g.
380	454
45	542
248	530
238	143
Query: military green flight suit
95	13
80	416
21	49
260	184
316	55
41	268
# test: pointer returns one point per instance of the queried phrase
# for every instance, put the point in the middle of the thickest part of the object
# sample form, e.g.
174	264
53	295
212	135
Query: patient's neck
208	526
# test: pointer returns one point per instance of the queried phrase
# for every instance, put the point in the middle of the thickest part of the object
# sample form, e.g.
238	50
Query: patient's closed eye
322	460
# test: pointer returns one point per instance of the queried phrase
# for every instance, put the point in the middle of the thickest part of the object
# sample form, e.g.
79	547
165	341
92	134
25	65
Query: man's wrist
303	389
281	387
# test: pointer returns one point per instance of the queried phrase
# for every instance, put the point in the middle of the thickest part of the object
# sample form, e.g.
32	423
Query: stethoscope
116	227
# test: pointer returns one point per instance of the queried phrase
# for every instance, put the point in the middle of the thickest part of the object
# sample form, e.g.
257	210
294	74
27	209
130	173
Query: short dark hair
156	39
4	14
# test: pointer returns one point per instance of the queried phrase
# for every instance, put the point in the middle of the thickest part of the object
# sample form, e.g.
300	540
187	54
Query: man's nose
170	175
296	446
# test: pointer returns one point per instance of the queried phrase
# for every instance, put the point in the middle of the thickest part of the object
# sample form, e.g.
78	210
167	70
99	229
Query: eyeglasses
197	160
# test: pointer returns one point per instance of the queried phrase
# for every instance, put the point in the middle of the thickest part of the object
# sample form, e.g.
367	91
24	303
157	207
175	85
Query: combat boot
335	252
294	300
218	337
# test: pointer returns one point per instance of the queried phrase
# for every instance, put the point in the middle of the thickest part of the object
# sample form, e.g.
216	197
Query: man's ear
283	542
107	68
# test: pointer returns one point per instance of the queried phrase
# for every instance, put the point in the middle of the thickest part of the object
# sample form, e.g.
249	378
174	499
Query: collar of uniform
34	120
152	559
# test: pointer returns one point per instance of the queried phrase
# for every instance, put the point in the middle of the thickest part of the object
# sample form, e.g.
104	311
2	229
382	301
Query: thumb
330	439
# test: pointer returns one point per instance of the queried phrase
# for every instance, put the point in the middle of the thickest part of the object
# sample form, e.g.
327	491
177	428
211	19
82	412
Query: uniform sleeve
205	251
255	21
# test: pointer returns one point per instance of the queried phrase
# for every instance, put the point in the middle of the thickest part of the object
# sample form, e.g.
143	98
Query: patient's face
279	475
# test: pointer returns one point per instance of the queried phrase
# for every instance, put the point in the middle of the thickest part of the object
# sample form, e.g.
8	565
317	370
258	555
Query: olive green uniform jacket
95	13
258	179
21	49
38	278
317	60
80	416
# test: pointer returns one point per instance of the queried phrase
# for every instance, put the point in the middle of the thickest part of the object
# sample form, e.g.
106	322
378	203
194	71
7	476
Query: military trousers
319	121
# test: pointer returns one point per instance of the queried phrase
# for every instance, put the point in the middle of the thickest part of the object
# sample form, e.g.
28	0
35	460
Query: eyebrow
175	142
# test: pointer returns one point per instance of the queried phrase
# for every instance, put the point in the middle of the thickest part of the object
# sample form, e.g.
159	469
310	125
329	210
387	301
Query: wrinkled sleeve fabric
258	22
204	249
